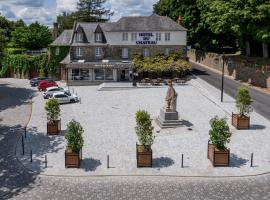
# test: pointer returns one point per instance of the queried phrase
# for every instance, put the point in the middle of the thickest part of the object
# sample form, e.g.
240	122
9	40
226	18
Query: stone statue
171	98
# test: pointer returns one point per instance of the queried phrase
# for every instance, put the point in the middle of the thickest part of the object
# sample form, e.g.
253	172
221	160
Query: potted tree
144	131
243	102
53	112
219	136
73	153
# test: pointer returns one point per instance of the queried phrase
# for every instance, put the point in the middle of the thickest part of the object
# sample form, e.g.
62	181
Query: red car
45	84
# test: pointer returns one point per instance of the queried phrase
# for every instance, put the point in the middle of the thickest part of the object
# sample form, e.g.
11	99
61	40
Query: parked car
45	84
35	81
65	97
50	90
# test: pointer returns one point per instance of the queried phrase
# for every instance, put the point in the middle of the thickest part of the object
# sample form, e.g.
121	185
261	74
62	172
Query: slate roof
153	22
63	39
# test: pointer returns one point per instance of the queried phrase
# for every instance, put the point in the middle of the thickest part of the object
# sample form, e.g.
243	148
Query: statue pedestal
168	119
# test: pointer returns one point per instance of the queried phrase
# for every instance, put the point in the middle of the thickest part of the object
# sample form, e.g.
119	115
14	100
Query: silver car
65	97
51	90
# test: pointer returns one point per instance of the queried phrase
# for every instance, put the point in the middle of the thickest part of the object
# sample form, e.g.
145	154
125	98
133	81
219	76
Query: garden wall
252	70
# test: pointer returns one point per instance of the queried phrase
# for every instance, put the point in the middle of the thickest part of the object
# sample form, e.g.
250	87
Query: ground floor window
108	74
99	74
80	74
84	74
75	74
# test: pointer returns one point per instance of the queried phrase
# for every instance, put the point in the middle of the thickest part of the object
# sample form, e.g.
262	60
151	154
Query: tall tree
246	19
34	36
199	33
92	11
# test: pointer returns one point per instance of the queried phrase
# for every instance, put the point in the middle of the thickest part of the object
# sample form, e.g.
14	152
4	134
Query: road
261	100
18	183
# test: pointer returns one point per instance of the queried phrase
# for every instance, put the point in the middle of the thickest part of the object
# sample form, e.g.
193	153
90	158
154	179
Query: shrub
144	128
219	133
74	136
52	108
243	101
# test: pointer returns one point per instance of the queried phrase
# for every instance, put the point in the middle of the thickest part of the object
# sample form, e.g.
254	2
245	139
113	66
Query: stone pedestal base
168	119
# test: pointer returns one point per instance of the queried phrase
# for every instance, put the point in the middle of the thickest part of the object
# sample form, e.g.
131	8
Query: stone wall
252	70
115	52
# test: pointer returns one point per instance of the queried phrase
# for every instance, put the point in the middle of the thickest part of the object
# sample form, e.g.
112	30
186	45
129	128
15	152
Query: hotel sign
146	38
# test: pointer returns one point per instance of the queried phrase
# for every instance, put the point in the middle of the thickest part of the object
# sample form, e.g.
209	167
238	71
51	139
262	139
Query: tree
199	34
245	19
66	21
92	11
35	36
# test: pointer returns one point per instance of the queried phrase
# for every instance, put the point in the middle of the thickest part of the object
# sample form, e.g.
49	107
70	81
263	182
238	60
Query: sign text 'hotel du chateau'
145	38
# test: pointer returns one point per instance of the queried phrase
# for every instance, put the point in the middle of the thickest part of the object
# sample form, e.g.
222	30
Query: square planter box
219	158
73	159
144	158
240	122
54	128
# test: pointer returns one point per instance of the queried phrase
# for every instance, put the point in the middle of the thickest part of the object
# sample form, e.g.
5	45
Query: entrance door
124	75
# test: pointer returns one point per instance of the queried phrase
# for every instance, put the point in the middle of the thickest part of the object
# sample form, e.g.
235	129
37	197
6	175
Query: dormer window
98	37
79	37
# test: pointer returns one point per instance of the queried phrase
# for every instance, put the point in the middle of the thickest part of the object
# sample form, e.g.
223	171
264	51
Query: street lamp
222	79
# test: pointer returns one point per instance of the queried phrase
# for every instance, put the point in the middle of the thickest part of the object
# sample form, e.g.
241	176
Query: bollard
182	161
251	160
22	146
31	158
73	90
45	161
76	93
80	100
25	132
108	161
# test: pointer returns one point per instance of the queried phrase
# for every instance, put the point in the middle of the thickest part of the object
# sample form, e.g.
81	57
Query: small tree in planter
73	154
144	131
219	136
52	108
243	102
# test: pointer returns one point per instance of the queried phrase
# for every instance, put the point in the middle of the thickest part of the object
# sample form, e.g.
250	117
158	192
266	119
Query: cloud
6	11
28	3
65	5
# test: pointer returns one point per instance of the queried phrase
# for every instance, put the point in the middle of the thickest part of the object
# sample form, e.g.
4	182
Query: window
98	37
125	36
124	52
78	37
79	51
167	51
158	36
133	36
167	36
75	74
99	74
57	51
98	51
84	74
109	74
146	52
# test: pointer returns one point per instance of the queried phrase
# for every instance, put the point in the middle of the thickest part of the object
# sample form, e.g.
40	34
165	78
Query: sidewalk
108	120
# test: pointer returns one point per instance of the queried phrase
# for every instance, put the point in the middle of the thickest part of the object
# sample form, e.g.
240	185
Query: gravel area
108	120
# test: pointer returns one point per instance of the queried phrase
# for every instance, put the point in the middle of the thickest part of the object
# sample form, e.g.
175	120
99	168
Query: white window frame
146	52
79	37
79	52
124	52
158	36
98	37
134	36
57	51
125	36
167	36
167	51
98	51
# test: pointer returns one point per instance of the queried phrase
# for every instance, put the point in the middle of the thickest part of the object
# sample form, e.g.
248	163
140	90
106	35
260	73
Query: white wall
177	38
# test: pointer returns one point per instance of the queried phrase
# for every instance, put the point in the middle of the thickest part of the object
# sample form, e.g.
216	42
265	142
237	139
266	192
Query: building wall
115	52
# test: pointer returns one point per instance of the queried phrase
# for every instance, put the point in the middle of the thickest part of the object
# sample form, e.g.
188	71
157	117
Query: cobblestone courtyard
108	120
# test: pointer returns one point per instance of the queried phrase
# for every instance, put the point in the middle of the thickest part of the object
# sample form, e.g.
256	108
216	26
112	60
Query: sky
45	11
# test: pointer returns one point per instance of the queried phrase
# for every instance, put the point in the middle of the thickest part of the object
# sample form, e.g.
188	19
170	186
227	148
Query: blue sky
45	11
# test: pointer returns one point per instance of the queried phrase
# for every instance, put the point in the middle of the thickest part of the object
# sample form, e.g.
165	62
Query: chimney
179	20
55	30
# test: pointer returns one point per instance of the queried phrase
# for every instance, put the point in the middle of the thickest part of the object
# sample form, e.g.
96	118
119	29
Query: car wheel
72	101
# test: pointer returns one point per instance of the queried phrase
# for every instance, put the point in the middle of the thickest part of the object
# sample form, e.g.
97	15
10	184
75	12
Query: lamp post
222	79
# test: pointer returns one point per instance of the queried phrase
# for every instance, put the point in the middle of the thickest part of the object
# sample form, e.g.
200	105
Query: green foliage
219	133
54	59
243	101
35	36
52	108
160	63
144	128
74	136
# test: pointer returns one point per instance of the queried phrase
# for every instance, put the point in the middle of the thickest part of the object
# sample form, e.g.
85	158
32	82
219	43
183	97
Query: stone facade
251	70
